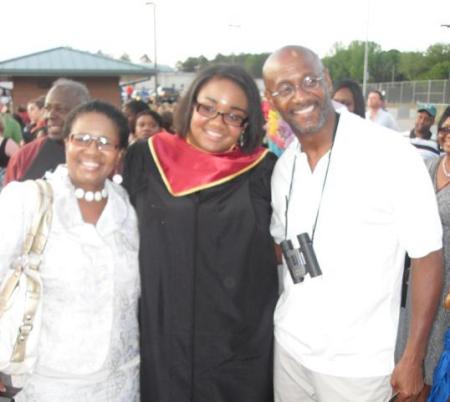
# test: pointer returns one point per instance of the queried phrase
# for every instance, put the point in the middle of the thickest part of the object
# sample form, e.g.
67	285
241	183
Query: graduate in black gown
208	266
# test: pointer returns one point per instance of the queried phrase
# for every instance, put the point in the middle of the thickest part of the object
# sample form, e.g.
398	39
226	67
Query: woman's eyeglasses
445	130
210	112
85	140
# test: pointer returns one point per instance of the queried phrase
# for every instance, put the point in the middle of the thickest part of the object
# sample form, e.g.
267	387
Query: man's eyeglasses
308	83
445	130
85	140
56	109
231	119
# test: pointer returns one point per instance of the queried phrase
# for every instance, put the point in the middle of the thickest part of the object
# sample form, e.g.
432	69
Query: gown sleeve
135	169
260	190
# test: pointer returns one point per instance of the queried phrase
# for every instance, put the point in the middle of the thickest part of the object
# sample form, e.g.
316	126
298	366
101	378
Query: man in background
45	153
420	135
376	111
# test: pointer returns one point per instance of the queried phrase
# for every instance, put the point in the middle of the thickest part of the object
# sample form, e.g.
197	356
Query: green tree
385	65
221	58
411	65
202	62
192	64
125	57
437	60
100	53
253	63
336	62
440	71
348	62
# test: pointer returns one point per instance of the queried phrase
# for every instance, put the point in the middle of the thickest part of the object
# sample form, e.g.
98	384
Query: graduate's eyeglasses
210	112
286	89
84	141
445	130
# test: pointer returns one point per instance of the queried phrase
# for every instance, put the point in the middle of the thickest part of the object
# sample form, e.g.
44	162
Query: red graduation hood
186	169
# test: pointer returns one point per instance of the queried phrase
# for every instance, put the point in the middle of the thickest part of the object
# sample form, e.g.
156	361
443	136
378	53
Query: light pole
234	26
151	3
366	52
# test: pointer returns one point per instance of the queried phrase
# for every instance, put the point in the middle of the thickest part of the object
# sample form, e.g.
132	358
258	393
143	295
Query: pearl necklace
444	167
90	196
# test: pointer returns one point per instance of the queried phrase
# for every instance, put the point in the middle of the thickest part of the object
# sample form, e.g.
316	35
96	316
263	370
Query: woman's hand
2	387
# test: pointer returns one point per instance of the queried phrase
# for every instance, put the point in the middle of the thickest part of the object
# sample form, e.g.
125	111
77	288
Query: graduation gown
209	285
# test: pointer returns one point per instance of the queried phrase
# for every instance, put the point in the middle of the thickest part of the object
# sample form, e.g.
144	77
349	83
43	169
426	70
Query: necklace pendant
98	196
444	167
89	196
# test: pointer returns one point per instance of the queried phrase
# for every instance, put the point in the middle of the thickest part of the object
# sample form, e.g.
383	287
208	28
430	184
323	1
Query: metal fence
431	91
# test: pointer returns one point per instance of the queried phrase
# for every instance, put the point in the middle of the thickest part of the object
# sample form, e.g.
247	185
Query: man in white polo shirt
349	184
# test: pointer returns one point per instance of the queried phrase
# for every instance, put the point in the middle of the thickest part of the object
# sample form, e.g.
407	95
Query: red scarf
186	169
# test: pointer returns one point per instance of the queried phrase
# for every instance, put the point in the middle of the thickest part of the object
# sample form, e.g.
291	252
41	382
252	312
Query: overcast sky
195	27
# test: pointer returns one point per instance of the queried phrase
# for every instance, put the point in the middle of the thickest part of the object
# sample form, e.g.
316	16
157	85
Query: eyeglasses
231	119
445	130
56	108
308	83
85	140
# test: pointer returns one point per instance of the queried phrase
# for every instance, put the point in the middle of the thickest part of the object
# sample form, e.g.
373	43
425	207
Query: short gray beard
324	113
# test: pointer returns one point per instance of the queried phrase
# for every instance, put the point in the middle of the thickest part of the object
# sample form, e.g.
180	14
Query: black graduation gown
209	286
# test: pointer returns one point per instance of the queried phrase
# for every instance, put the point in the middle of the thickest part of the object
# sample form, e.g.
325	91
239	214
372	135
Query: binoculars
301	261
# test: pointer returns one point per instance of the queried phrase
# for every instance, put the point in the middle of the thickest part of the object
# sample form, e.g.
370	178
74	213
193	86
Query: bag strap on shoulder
34	243
37	236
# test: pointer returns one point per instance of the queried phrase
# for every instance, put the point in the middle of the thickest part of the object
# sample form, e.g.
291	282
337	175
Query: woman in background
146	124
37	125
440	173
439	169
349	93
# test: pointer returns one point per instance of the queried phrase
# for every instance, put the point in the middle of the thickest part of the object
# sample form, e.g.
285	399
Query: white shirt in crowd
428	149
383	118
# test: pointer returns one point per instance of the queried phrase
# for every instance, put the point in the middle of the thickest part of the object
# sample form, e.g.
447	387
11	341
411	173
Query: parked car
167	94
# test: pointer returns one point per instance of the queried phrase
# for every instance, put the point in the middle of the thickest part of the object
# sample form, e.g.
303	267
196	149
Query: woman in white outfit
88	348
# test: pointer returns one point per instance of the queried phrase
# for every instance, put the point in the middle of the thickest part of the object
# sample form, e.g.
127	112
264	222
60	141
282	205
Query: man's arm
426	287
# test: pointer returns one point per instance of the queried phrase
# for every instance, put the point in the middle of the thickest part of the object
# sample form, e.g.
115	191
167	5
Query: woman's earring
117	178
241	139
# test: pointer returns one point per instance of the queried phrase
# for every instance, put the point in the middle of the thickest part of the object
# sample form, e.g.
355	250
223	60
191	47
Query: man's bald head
280	56
299	88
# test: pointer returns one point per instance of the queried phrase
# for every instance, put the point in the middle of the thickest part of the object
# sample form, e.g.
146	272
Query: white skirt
120	386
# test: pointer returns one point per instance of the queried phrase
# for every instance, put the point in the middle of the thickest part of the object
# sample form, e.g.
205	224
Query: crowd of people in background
212	219
28	124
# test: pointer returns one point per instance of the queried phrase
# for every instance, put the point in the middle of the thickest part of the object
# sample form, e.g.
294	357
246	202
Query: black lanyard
288	197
